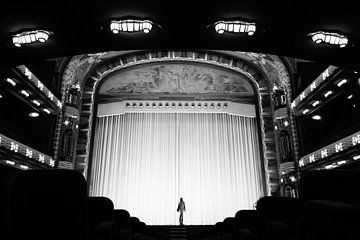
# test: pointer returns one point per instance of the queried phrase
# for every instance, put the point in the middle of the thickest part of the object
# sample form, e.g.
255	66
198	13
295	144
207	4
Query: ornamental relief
175	78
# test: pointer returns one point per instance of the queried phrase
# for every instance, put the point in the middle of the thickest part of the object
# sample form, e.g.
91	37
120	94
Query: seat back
50	204
7	176
277	216
246	219
122	218
101	209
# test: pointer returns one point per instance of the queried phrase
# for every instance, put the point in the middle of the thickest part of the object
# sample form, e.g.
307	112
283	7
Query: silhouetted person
181	209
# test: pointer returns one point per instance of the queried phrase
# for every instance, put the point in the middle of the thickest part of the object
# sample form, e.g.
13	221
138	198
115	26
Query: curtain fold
144	162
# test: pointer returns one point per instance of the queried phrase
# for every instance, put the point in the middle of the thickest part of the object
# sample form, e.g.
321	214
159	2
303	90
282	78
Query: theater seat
245	224
101	218
122	219
330	205
7	176
49	204
277	218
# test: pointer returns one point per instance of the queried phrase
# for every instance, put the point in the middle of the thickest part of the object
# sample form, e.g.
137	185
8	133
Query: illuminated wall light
286	123
52	162
130	25
355	140
28	153
10	162
301	163
25	93
292	178
324	153
41	158
342	82
12	82
14	147
1	96
33	114
312	86
305	111
235	27
47	110
341	162
357	157
328	93
36	102
350	96
339	147
316	117
31	37
27	73
329	166
40	85
24	167
330	38
314	104
66	122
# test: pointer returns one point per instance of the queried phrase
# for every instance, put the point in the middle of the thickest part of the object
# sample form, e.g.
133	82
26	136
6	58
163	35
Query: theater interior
111	112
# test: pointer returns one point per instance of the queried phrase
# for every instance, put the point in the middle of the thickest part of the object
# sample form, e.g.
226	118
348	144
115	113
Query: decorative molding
337	147
28	152
232	108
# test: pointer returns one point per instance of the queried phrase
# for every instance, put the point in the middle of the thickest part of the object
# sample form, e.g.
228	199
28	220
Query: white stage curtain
144	162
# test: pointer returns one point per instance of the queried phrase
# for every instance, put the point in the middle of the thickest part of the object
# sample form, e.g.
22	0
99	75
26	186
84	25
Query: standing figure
181	209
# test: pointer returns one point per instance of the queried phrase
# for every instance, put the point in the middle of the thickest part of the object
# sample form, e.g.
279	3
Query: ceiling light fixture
46	110
328	93
342	82
235	27
33	114
36	102
330	38
316	117
341	162
350	96
12	82
314	104
357	157
24	167
31	37
25	93
305	111
10	162
130	25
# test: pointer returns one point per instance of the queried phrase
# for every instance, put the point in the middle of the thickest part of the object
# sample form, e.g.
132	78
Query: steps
177	233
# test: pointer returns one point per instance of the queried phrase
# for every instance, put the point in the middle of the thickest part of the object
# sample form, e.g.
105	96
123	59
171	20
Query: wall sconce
330	38
117	26
235	27
31	37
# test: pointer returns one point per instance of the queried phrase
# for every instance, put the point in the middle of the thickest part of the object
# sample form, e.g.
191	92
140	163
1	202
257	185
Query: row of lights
133	25
13	163
160	104
27	94
326	95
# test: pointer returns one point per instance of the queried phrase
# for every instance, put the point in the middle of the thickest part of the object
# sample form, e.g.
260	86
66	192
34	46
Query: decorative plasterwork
175	78
123	107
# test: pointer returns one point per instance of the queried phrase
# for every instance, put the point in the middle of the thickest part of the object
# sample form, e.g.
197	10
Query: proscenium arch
256	76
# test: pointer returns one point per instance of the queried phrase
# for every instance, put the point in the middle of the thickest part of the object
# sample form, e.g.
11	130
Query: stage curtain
144	162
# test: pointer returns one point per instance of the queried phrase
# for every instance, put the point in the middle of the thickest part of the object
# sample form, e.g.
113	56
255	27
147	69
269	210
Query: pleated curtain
144	162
